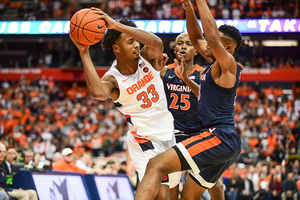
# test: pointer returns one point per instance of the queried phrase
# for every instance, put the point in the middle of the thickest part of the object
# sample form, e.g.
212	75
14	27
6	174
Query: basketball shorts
142	150
208	154
182	135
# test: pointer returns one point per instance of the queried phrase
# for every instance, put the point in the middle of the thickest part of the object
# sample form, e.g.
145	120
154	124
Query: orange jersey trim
202	146
141	140
196	68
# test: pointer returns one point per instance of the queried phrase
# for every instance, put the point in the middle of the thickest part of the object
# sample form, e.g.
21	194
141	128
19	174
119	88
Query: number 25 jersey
182	101
143	101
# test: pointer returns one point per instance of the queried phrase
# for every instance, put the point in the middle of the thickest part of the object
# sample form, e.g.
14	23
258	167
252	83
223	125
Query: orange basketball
86	28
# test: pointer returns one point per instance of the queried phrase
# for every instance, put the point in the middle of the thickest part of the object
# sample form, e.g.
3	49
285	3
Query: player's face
208	52
129	47
185	48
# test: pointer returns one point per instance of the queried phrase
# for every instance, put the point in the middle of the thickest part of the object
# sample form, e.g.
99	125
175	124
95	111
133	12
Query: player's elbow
158	44
98	95
213	41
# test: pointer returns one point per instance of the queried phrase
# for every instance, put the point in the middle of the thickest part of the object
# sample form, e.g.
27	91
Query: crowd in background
48	51
65	55
44	117
140	9
40	118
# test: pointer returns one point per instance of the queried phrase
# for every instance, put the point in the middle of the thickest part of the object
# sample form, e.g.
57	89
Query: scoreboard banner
154	26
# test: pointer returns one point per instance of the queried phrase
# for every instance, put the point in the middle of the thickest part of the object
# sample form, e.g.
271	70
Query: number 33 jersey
143	101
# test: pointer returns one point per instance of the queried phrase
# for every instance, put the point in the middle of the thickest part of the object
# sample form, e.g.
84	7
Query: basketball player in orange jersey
134	84
208	154
182	103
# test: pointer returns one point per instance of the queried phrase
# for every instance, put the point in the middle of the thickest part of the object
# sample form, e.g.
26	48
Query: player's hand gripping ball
86	28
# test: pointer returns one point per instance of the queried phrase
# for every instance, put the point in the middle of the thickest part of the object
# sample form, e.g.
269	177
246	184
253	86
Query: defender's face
129	47
185	48
208	52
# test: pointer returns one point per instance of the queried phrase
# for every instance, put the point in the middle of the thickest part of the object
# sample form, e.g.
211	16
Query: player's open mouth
183	53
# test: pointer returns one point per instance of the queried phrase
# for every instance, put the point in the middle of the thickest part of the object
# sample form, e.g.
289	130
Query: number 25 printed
184	98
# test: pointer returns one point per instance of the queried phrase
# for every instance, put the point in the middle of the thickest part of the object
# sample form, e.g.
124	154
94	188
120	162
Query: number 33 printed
144	97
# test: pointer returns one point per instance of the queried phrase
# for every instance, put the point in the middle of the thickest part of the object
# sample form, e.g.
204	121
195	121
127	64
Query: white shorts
142	150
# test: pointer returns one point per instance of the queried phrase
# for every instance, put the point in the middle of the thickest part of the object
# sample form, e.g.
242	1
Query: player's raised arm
194	29
212	35
99	89
153	45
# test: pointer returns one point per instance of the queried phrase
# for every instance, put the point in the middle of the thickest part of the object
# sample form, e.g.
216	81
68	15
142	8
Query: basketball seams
81	21
89	33
75	17
87	29
86	37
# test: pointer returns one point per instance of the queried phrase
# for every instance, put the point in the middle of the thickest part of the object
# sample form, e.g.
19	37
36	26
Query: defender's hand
162	61
181	67
186	4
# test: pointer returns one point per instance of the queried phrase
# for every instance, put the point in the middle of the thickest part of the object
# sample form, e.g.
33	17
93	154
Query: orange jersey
65	167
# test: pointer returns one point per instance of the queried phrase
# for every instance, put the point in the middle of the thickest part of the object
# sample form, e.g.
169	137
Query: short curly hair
112	35
233	33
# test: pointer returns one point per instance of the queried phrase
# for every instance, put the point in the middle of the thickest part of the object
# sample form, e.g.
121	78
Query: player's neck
189	67
126	67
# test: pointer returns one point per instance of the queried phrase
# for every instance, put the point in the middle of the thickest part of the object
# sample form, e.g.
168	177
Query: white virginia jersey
143	101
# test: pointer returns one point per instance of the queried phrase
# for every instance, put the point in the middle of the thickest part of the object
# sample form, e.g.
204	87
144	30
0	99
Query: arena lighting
279	43
155	26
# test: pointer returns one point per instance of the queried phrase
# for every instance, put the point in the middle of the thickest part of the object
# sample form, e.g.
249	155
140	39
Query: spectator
56	157
11	157
274	186
262	193
19	194
28	156
289	187
296	196
234	187
85	162
248	189
67	163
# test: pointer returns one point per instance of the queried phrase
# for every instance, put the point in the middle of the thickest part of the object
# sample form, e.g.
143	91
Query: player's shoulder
240	64
198	68
171	66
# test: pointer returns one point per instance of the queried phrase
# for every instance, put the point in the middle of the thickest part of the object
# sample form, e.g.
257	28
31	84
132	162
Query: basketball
86	28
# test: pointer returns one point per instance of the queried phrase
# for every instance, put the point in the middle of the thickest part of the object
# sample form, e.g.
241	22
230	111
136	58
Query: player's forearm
193	27
208	23
145	37
192	85
92	79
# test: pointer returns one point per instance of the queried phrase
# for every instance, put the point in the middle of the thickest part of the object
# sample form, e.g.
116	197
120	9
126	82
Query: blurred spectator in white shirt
85	161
